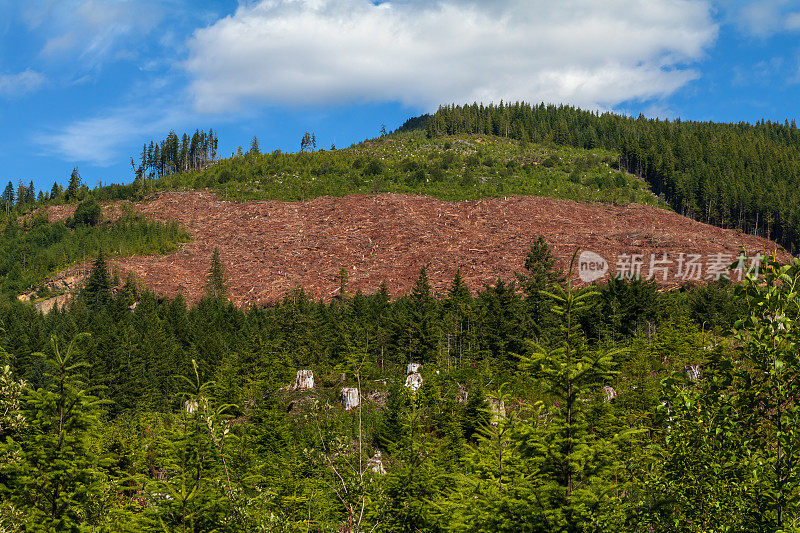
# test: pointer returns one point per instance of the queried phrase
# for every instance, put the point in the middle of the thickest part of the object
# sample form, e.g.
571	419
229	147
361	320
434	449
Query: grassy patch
462	167
29	255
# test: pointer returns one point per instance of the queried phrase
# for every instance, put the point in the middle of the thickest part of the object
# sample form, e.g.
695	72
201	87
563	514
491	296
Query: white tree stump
304	380
413	368
192	404
463	394
498	410
375	463
608	393
692	372
350	398
414	382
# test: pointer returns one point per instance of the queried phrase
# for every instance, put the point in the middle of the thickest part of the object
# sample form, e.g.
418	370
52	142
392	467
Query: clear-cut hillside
272	247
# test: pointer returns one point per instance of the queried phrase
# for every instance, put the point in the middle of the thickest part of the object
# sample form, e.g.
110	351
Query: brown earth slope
270	248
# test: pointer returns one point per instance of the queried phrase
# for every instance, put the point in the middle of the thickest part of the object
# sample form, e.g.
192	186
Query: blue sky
86	82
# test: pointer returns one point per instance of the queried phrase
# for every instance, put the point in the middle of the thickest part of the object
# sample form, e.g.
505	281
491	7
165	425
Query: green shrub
88	213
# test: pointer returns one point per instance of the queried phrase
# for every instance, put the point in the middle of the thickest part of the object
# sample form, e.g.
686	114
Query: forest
532	406
731	175
529	406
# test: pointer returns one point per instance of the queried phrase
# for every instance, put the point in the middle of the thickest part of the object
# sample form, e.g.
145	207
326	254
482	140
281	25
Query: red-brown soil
269	248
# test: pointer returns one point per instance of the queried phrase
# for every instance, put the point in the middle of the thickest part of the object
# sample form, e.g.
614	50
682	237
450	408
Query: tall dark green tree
216	280
53	477
97	290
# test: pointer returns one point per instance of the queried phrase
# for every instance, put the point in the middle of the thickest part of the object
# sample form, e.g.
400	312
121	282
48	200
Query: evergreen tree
8	198
579	465
54	472
74	185
254	150
216	281
97	291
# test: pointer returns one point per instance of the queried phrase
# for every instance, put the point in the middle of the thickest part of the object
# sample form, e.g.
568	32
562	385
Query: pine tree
541	275
580	466
74	185
216	281
97	291
254	150
8	198
52	478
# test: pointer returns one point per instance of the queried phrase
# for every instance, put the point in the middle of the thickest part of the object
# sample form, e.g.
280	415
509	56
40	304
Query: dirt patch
270	248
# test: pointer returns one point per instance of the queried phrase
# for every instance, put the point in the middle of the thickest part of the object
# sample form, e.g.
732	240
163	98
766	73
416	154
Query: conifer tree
97	291
578	474
216	281
8	198
74	185
254	150
53	476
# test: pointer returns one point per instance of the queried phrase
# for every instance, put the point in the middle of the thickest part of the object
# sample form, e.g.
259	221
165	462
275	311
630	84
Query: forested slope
741	175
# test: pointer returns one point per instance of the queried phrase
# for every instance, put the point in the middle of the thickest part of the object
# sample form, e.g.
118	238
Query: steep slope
272	247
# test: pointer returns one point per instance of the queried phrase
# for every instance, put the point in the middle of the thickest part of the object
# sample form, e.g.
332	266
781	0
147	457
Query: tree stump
608	393
350	398
463	394
376	463
304	380
498	409
414	382
692	372
413	368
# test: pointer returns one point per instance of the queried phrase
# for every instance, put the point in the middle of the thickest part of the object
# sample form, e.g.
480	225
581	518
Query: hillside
458	167
732	175
270	247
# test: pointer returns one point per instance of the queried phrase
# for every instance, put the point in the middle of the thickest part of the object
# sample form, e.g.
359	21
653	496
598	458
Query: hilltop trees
732	175
173	155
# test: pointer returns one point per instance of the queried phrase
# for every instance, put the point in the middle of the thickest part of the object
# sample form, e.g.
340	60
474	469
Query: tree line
176	154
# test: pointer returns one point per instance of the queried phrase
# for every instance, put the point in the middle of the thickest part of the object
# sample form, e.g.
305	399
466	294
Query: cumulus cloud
307	52
12	85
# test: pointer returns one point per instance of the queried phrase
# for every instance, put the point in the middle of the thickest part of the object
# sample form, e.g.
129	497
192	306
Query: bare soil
270	248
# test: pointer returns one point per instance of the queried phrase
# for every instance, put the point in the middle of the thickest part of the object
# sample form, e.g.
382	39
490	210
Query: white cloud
99	140
12	85
792	21
589	53
762	18
93	31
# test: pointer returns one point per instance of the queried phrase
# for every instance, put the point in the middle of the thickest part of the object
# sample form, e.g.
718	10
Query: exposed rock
376	463
414	382
304	380
45	306
350	398
498	409
608	393
413	368
692	372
